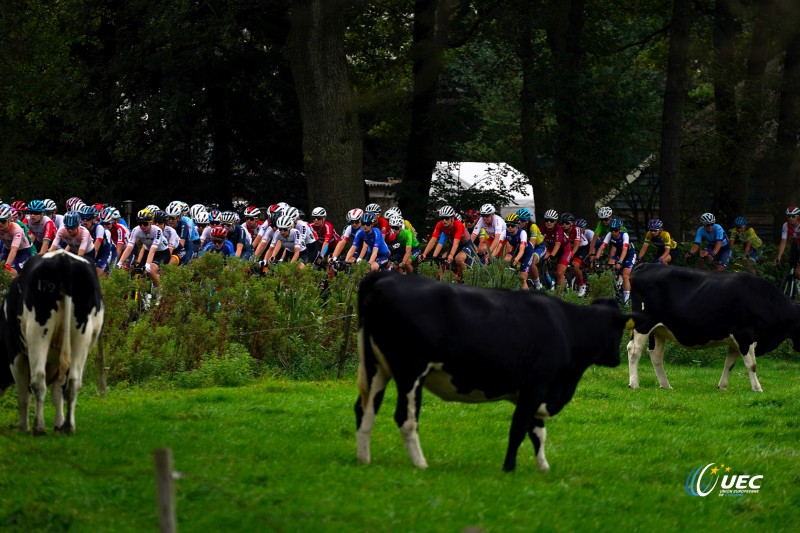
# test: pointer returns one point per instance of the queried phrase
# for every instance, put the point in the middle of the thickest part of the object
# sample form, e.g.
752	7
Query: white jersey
586	237
306	232
81	240
290	242
152	237
495	228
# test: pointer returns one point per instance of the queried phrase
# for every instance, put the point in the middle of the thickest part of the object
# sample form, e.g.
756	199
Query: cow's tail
366	355
65	355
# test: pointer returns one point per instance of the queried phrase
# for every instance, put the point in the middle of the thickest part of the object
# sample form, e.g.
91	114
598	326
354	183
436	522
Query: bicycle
141	292
616	278
789	286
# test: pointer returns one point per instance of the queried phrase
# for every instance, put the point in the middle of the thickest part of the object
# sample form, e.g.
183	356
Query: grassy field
280	456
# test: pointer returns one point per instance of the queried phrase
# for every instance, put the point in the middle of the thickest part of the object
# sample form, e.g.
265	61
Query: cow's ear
632	320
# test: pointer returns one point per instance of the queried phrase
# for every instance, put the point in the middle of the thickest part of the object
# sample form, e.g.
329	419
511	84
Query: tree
332	149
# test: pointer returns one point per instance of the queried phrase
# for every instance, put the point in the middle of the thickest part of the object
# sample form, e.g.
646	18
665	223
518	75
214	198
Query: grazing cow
698	309
445	337
51	318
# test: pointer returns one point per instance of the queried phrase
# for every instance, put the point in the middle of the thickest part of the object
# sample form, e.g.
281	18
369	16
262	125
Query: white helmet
392	210
285	222
201	217
319	212
354	215
174	209
49	205
604	212
487	209
373	208
551	214
153	208
447	211
5	211
293	213
395	220
196	208
707	218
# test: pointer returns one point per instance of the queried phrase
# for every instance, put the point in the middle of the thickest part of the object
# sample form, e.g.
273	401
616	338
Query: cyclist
742	235
718	248
73	237
520	251
380	222
218	242
287	240
621	254
104	252
154	246
180	242
236	234
369	240
252	222
790	231
403	245
406	223
538	247
573	234
42	227
353	225
559	247
462	249
327	238
50	209
659	239
17	247
495	226
604	214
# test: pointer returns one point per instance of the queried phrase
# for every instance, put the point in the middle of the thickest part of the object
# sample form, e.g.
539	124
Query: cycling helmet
160	216
184	208
227	217
512	218
487	209
213	215
567	218
395	220
551	214
36	206
99	206
392	211
446	211
285	222
354	215
196	208
107	215
201	217
88	212
49	205
145	215
20	206
581	223
219	232
72	219
72	201
115	214
604	212
173	209
301	215
471	215
616	223
792	210
292	213
5	211
252	211
320	212
369	218
655	225
524	214
740	221
373	208
707	218
77	206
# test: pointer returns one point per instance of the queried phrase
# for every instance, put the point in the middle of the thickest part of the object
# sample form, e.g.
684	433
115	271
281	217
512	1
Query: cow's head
615	324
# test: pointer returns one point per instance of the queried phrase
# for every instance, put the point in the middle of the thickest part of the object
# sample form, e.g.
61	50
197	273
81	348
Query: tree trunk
564	35
787	173
332	145
427	52
672	115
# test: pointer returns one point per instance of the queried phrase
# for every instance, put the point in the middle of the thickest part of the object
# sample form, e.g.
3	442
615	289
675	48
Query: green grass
280	456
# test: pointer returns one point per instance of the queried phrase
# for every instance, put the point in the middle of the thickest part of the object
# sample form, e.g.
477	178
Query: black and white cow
51	318
699	309
425	333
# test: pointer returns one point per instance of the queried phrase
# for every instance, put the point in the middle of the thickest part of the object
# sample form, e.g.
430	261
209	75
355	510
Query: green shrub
233	369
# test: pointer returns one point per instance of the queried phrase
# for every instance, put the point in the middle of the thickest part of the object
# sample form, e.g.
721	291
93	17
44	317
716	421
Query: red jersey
455	232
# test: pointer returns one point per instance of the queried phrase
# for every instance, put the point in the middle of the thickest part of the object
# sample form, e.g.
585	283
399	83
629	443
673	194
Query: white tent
487	176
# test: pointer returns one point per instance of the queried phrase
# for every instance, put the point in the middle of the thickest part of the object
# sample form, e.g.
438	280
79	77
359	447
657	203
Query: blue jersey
711	237
515	240
373	238
193	234
226	250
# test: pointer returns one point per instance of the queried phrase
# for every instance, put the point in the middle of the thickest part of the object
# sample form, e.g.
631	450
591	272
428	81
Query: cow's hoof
720	387
633	386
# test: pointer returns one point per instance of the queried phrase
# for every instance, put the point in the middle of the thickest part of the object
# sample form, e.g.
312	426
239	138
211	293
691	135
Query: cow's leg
409	402
527	404
750	363
81	346
366	411
635	348
730	361
58	402
657	358
39	389
22	375
538	434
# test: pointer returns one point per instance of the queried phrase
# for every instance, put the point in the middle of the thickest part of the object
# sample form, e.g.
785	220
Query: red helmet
252	211
471	215
20	206
219	232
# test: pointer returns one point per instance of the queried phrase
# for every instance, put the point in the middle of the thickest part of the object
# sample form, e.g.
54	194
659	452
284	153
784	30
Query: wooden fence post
346	341
165	490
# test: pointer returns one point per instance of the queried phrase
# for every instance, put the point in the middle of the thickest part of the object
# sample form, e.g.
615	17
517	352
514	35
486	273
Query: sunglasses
446	218
511	225
217	240
319	218
792	216
396	228
173	218
250	218
227	224
144	224
368	223
606	220
487	216
3	220
284	229
549	221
